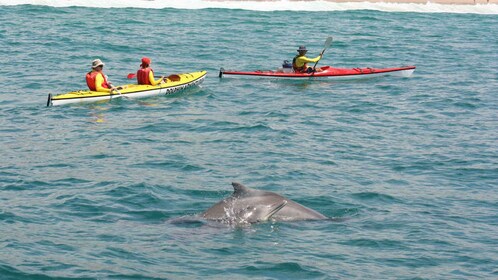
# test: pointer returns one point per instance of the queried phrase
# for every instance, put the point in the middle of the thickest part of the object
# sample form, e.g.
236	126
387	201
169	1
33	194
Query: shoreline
443	2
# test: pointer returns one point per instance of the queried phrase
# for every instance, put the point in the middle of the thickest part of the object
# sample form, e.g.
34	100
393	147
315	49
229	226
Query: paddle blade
131	76
327	42
325	46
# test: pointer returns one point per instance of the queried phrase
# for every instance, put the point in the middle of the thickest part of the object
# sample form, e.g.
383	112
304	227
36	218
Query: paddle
173	77
116	89
131	76
325	46
134	75
120	94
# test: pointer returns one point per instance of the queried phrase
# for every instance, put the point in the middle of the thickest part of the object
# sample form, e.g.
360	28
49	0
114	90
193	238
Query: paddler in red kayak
145	75
96	80
300	62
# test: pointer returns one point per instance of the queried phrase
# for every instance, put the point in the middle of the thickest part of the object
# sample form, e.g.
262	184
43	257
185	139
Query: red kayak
328	72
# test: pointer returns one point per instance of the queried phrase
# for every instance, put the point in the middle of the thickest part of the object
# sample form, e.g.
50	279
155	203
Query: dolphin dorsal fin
239	189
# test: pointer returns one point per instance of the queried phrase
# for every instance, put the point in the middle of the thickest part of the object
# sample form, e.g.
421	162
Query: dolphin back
292	211
253	205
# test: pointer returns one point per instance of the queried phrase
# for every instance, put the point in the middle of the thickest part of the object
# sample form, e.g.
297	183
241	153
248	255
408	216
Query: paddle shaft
119	93
172	77
133	76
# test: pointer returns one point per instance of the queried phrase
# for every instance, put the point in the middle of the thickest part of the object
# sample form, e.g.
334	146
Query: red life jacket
143	76
90	80
301	69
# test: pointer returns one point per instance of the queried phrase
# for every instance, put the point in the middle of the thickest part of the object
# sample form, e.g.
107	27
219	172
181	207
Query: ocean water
406	167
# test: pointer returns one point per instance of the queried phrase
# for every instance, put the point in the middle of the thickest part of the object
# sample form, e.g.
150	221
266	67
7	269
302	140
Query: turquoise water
408	166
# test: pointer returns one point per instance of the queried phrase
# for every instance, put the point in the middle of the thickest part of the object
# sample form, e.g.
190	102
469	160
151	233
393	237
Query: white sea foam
282	5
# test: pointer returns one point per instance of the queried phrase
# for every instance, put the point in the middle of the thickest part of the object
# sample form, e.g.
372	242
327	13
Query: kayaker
300	62
145	75
96	80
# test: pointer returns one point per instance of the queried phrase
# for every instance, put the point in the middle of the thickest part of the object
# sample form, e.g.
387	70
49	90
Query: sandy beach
447	2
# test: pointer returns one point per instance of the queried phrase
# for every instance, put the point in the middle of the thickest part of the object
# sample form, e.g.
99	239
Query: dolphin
248	205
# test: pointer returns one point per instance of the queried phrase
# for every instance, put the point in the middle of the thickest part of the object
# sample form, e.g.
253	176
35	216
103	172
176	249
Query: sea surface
407	168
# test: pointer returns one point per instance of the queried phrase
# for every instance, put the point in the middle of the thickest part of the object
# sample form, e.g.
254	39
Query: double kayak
328	72
173	84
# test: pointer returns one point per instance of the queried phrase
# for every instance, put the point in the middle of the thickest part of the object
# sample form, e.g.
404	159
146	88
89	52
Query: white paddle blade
328	42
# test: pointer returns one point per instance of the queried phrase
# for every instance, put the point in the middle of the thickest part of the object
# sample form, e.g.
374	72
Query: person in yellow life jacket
96	80
300	61
145	75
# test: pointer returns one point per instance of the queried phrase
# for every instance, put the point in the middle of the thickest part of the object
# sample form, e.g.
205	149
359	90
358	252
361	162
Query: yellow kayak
173	84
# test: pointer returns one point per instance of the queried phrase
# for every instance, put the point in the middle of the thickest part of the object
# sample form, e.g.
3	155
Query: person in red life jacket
96	80
300	62
145	75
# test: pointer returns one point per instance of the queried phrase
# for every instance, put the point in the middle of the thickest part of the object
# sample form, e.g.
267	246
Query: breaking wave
279	5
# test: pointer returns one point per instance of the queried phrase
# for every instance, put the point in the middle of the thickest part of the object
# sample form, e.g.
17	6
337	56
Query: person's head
145	62
302	50
97	64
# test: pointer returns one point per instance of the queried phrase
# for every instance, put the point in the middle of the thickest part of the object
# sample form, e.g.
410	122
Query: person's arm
306	60
99	79
152	81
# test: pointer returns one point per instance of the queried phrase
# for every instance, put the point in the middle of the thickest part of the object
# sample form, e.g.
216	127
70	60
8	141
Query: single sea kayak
328	72
173	84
